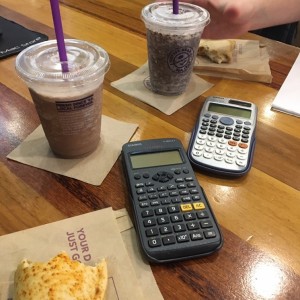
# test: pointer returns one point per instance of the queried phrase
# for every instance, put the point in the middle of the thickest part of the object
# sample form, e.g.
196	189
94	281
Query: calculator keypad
172	209
222	141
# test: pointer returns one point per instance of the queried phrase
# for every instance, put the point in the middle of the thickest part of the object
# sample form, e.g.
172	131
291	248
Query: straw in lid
159	16
41	62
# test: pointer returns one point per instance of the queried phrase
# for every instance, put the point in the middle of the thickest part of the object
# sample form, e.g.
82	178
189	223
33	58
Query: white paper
93	169
288	97
133	85
87	238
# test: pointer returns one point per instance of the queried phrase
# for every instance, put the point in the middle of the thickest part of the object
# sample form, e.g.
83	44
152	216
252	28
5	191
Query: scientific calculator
172	215
223	138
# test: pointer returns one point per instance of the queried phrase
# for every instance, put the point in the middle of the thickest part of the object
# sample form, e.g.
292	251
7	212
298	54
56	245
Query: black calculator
172	215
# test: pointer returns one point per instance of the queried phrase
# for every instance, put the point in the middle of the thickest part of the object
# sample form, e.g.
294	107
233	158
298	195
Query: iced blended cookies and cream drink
68	104
173	41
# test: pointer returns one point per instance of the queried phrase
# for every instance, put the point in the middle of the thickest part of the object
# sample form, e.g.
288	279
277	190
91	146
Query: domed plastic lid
40	62
160	16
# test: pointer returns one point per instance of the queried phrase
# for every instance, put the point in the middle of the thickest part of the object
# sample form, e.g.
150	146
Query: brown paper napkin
35	151
133	85
250	62
88	238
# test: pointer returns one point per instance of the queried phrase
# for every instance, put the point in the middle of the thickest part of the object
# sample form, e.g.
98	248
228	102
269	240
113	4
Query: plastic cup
173	41
69	104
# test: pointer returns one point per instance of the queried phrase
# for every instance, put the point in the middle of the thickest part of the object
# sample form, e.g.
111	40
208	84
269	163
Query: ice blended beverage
173	41
68	103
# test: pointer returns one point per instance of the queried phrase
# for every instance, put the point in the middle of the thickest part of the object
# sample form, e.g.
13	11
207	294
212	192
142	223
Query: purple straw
176	7
59	35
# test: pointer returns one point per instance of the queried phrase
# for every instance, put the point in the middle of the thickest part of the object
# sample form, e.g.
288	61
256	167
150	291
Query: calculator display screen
155	159
229	110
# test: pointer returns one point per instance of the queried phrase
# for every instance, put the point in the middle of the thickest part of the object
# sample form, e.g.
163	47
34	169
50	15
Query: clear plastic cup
173	41
69	104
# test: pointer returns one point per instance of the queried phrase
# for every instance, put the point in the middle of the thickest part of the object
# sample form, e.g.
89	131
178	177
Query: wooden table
259	214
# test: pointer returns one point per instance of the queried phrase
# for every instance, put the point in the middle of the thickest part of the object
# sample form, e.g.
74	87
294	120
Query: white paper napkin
133	85
35	151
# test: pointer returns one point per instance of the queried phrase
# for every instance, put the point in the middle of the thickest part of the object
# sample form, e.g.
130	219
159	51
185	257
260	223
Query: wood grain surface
258	213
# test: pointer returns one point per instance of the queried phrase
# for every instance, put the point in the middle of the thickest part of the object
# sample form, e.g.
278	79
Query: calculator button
243	145
222	141
189	216
165	229
165	201
154	203
209	234
152	232
200	142
183	192
168	240
149	222
199	205
197	153
153	196
186	199
179	227
139	185
221	146
140	191
147	213
173	194
210	144
181	186
191	184
195	236
188	178
156	242
199	147
230	154
241	163
144	204
202	136
163	220
160	211
173	209
181	238
196	198
202	214
137	176
142	198
162	188
219	151
171	187
186	207
207	155
226	121
192	226
209	150
206	224
163	195
229	160
212	138
151	190
218	157
176	218
242	151
241	156
231	148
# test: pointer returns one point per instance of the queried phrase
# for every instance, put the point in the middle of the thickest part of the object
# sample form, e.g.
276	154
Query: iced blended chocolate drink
71	125
68	103
173	41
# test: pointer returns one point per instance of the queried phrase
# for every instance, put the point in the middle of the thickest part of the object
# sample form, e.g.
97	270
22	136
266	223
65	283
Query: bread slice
218	51
60	278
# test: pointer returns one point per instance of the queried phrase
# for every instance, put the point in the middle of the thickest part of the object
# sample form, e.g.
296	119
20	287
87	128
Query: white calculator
223	139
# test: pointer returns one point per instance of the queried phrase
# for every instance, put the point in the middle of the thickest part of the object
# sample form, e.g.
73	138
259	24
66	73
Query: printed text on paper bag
79	246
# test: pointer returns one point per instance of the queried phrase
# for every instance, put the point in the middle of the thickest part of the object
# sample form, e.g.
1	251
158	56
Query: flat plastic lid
160	15
40	62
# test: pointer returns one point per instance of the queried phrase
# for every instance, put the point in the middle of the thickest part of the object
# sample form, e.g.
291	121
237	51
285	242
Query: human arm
231	18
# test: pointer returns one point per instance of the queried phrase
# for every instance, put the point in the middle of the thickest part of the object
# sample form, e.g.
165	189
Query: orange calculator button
243	145
199	205
186	207
232	143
